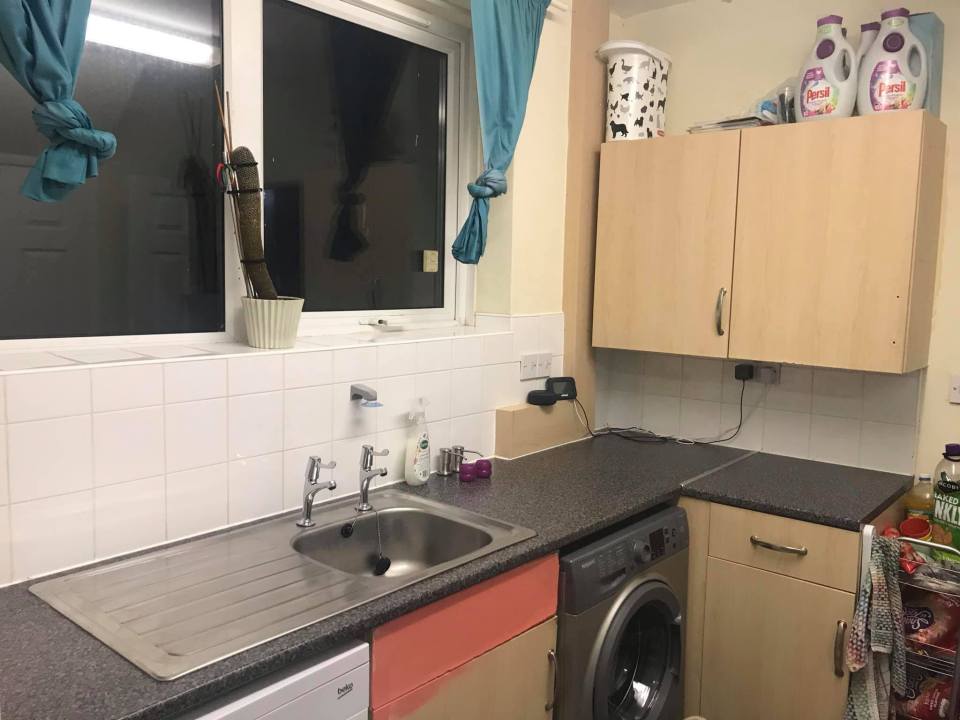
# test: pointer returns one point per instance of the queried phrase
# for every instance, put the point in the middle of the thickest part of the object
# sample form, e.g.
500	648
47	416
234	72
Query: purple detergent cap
830	20
952	450
867	27
894	42
897	12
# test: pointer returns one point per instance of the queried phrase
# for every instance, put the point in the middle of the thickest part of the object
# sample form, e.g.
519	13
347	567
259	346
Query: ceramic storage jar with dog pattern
636	89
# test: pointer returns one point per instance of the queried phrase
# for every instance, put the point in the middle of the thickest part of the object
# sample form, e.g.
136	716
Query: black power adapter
743	371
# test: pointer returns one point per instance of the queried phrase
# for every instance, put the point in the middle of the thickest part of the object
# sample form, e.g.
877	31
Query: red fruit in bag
931	618
931	701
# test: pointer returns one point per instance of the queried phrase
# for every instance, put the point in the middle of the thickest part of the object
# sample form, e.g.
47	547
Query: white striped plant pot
272	324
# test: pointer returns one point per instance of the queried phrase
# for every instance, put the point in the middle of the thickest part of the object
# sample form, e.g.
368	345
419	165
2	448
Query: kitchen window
361	162
139	249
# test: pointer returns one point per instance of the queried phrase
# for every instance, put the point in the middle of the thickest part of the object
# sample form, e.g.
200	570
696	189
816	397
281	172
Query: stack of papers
732	123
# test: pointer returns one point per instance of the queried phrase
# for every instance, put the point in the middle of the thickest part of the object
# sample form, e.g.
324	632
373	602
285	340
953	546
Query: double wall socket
536	365
765	373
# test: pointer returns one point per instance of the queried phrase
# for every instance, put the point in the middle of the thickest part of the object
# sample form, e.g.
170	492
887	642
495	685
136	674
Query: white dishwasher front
336	687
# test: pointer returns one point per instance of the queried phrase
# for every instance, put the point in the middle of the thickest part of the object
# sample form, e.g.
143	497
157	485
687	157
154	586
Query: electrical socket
545	366
529	366
766	373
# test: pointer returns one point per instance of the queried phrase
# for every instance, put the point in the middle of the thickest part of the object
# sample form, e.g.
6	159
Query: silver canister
450	460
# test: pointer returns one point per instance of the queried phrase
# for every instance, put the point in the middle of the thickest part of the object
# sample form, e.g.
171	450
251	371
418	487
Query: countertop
50	669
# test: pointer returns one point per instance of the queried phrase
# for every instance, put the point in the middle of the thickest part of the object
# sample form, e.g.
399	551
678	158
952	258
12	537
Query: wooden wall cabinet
832	234
665	231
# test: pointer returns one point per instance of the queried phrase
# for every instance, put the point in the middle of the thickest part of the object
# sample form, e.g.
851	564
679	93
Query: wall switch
529	366
545	366
955	389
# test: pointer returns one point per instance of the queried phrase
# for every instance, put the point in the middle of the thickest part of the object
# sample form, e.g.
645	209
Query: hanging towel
876	655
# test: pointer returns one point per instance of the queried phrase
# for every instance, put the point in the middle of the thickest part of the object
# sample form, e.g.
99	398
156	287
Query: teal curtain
506	36
41	42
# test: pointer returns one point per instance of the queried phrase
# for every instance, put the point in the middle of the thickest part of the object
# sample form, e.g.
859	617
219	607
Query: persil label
817	95
890	89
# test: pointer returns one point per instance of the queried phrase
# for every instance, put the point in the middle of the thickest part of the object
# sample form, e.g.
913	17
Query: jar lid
830	20
952	450
896	12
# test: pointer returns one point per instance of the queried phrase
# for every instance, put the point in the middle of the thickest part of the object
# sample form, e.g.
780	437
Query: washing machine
622	606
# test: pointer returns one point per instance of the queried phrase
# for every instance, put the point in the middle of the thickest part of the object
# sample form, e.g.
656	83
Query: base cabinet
514	681
769	646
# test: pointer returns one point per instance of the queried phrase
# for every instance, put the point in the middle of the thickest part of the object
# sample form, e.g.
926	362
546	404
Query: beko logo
345	690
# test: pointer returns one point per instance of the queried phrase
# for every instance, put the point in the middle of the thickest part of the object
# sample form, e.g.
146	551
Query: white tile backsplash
127	445
128	386
843	417
49	457
39	396
184	441
129	516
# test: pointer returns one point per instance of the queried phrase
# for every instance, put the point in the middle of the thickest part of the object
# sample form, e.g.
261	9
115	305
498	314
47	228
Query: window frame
242	72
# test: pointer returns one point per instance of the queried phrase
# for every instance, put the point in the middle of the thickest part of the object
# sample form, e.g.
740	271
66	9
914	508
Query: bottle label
890	89
818	96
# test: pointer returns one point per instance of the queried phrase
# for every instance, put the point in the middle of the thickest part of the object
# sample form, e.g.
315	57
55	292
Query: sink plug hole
347	530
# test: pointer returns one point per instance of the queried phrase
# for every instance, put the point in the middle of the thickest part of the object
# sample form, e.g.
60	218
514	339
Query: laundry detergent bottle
828	80
868	34
894	71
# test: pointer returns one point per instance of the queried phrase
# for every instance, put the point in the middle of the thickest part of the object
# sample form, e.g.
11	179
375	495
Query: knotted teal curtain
506	36
41	42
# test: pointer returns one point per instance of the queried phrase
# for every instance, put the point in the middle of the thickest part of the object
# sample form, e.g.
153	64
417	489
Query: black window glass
354	133
137	250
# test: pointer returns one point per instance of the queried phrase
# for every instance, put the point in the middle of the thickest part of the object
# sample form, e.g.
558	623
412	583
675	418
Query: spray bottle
416	464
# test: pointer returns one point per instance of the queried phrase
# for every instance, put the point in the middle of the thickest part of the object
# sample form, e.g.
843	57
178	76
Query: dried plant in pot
271	320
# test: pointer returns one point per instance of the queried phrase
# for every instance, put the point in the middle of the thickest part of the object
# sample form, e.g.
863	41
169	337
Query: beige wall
728	54
521	272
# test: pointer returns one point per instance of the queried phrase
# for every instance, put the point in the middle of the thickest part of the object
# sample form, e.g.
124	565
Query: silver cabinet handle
718	313
552	659
838	648
757	542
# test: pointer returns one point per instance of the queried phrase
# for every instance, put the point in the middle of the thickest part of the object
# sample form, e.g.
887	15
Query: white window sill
54	358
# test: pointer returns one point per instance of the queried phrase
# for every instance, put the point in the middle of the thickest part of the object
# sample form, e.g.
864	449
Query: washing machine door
639	664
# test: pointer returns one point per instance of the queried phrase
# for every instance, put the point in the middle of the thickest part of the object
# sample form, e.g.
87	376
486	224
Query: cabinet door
769	643
828	242
514	681
665	244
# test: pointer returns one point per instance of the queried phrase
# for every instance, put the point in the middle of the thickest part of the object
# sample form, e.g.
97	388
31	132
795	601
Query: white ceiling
627	8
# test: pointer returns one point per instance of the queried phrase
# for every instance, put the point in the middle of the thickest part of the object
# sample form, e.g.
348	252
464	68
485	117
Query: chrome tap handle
367	454
314	466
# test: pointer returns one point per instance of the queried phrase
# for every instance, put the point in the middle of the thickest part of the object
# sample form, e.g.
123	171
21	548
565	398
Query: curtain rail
557	5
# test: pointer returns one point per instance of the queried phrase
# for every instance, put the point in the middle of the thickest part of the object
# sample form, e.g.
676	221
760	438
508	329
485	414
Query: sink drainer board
173	611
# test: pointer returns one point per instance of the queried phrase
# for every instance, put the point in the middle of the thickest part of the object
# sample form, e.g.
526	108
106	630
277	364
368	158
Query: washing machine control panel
602	566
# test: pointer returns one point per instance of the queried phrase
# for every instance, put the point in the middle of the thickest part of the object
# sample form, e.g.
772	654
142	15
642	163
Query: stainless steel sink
176	610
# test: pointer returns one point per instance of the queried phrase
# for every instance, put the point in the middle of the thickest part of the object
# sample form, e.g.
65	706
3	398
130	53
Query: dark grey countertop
818	492
50	669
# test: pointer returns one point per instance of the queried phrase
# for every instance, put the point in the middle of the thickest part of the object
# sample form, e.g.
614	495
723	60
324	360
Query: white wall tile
399	359
256	487
488	434
50	457
492	323
750	436
398	397
786	433
888	447
753	391
434	356
31	361
307	416
351	364
347	454
127	445
466	392
501	385
891	398
557	366
469	431
196	501
255	374
439	438
435	389
496	349
468	351
794	392
6	573
294	471
51	533
702	379
835	439
195	380
36	396
551	333
838	393
256	425
3	400
4	481
129	386
307	368
618	409
700	419
350	418
129	516
661	414
99	355
662	375
526	334
196	434
396	442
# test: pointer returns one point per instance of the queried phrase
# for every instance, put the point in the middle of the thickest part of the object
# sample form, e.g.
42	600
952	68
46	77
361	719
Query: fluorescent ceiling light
158	43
